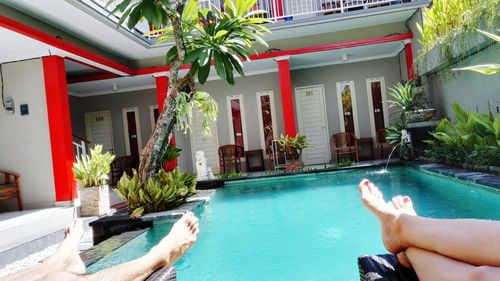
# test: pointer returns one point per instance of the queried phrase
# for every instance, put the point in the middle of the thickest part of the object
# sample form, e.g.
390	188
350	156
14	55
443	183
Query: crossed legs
460	249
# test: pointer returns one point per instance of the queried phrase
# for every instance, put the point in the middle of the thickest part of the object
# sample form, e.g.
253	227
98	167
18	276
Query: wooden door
346	97
377	104
133	143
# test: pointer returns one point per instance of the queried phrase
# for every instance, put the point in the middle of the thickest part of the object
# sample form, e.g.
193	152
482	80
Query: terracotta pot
94	201
294	165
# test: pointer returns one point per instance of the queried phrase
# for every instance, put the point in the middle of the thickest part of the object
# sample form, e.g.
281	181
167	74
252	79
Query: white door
348	111
311	113
207	144
99	129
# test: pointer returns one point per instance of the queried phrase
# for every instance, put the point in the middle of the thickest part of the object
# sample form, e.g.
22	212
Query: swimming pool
307	227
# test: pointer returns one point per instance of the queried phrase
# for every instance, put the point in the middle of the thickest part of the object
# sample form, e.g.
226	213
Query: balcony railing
277	10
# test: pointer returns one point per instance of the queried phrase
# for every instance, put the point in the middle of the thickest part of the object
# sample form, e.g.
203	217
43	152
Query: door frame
243	119
383	93
88	130
134	109
354	107
152	115
213	132
325	117
273	116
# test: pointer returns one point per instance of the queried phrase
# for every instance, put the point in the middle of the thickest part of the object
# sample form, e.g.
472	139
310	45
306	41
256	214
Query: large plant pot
421	115
94	201
294	165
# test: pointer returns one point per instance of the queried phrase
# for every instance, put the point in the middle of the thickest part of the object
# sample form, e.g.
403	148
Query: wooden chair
120	165
9	187
382	143
344	143
230	154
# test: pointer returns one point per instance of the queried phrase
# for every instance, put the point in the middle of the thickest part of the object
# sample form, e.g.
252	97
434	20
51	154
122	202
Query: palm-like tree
224	37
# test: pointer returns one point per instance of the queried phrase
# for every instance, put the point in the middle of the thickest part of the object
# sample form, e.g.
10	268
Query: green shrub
474	139
293	146
165	191
230	175
93	170
449	22
405	98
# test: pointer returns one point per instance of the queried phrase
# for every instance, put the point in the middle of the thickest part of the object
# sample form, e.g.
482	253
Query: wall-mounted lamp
345	57
115	87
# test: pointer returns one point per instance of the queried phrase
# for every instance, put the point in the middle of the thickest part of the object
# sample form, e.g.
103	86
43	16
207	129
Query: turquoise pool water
310	227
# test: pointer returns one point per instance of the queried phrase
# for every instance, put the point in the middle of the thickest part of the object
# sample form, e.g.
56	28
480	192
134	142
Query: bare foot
405	205
387	215
67	256
181	237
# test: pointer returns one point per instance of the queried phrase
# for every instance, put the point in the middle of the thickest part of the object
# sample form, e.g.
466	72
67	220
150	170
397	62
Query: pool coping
463	175
393	162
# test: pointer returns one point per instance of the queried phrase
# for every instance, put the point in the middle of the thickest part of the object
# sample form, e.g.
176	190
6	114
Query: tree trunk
154	150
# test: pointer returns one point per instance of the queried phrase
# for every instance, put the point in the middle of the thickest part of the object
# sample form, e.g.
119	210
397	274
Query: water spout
390	155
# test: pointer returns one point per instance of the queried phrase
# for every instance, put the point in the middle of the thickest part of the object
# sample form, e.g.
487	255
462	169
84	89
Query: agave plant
406	99
164	191
93	170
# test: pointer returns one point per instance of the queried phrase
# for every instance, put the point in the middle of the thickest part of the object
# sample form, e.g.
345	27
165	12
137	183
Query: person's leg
430	266
471	241
171	248
66	258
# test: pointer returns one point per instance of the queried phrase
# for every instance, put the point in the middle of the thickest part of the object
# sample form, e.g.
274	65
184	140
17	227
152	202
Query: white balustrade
277	10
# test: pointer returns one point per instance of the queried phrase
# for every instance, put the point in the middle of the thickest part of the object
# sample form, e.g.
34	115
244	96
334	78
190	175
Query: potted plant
91	174
292	148
410	103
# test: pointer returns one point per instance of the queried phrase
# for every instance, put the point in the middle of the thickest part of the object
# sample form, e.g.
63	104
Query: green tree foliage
223	36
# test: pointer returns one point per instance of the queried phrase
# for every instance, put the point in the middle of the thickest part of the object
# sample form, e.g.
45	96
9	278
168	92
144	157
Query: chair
382	143
277	159
230	154
344	143
9	188
120	165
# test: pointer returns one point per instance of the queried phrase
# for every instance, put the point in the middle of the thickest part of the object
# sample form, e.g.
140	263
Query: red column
286	96
161	95
279	9
409	61
61	140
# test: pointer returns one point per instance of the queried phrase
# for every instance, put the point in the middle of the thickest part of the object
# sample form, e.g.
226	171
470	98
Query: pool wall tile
485	179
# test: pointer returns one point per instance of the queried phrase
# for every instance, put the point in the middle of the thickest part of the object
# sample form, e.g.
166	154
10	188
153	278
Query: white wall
470	89
359	72
24	140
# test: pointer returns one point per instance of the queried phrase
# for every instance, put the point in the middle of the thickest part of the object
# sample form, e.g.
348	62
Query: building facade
327	69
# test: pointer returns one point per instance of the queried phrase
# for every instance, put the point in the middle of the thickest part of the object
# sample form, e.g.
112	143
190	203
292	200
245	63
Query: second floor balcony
277	10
